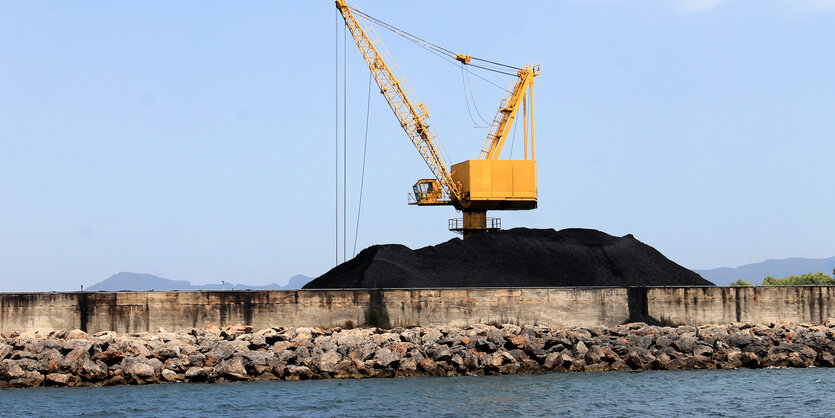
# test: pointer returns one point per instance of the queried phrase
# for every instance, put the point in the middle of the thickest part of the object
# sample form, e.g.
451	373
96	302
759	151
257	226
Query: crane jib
411	117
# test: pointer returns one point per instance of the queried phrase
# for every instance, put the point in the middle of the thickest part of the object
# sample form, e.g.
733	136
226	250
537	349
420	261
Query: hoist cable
472	97
401	32
364	151
495	63
345	144
456	63
479	76
492	69
336	144
445	57
467	101
432	46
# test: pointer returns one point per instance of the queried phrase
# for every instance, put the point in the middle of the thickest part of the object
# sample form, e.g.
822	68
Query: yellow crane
472	186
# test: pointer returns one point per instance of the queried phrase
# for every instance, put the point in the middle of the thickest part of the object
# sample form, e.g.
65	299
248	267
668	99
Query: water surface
768	392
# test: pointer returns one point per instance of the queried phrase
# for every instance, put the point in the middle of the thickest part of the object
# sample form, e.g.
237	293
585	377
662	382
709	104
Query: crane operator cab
428	192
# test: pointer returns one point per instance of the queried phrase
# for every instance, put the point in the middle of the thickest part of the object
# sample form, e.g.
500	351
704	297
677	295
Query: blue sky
195	140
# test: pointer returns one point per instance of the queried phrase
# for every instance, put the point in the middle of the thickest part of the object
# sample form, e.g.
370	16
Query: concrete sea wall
721	305
131	312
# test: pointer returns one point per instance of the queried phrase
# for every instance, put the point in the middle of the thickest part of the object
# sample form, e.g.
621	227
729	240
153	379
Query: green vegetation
740	283
377	316
805	279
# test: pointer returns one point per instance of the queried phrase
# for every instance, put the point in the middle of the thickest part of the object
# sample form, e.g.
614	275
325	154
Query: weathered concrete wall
128	312
39	311
718	305
549	306
142	311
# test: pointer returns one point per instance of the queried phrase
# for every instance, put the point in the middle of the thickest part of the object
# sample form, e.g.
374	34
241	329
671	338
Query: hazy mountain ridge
721	276
143	281
756	272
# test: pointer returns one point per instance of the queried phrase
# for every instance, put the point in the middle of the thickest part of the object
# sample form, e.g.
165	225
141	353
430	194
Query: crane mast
413	119
508	110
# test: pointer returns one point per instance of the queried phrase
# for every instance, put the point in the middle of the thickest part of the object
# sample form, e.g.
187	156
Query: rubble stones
210	354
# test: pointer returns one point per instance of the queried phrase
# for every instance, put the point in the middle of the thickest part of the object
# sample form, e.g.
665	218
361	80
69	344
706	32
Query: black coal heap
517	257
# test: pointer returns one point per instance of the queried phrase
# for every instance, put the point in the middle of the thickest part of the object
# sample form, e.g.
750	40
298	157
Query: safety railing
428	199
491	224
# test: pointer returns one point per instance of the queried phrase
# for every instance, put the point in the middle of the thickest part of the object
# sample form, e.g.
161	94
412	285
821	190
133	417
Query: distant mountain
298	281
138	281
755	273
141	282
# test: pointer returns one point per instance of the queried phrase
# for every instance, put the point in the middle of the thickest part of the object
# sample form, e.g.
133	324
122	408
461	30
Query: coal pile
517	257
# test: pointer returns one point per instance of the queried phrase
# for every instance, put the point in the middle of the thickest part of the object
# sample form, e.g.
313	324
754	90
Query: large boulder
232	368
137	368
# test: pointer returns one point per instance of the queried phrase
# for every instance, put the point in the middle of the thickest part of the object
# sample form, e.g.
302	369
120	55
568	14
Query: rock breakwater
75	358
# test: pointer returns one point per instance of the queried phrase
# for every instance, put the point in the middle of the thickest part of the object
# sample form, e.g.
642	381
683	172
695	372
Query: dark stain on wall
377	314
235	307
247	307
821	305
636	298
83	313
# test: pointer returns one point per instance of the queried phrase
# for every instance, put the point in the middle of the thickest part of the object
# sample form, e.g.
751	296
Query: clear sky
195	139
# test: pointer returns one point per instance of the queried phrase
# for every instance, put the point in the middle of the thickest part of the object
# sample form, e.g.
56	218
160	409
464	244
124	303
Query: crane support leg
474	221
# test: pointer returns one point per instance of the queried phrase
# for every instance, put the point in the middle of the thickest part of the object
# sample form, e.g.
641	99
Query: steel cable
434	47
417	39
345	144
364	151
467	101
336	144
472	97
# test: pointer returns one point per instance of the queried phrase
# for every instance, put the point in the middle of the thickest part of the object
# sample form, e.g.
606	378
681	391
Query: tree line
817	279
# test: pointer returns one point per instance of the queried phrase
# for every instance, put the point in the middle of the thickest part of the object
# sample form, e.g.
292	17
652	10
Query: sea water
765	392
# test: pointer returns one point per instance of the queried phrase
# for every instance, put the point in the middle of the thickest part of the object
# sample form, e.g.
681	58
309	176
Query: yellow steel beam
414	119
508	109
533	134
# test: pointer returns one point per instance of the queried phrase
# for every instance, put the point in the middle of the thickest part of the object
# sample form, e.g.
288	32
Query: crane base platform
474	222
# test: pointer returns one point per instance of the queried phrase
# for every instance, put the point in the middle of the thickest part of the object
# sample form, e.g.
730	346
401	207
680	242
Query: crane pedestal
474	222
